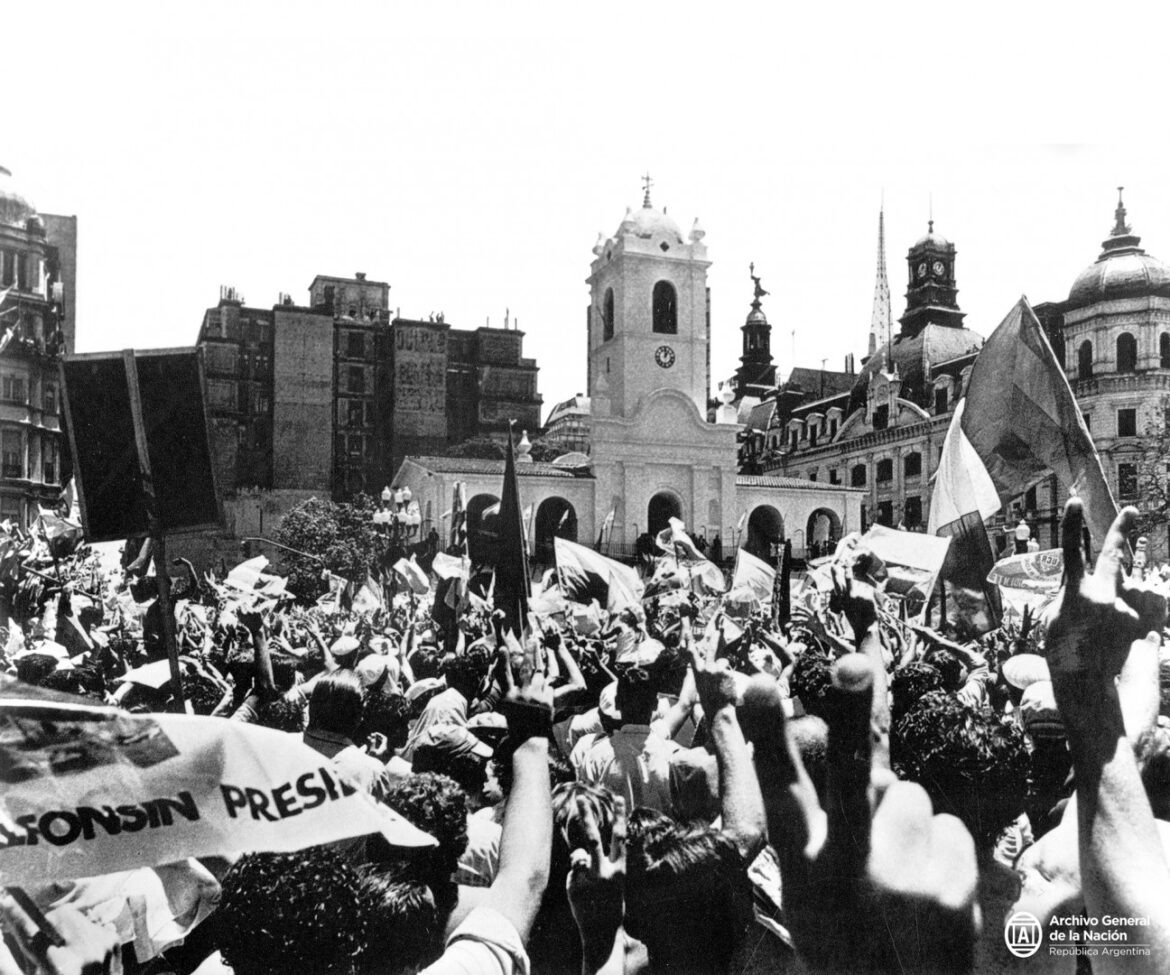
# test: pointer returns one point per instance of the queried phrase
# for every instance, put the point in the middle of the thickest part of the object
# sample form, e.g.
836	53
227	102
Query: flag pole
161	576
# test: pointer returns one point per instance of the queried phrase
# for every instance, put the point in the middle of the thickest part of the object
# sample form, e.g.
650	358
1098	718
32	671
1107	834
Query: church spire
881	321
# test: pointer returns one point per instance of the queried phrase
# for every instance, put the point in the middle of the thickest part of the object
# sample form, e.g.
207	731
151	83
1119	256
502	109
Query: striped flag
1018	422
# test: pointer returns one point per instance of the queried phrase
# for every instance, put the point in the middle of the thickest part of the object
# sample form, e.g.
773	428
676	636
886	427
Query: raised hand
1099	614
715	681
596	886
72	944
875	881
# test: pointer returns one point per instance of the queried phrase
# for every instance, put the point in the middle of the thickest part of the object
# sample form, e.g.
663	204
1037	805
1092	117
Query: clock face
938	268
922	269
664	356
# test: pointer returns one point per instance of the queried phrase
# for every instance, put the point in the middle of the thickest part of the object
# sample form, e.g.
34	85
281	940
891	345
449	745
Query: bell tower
756	368
932	294
649	319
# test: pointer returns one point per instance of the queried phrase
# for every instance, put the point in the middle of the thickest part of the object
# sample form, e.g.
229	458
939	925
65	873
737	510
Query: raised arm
740	800
1100	621
526	843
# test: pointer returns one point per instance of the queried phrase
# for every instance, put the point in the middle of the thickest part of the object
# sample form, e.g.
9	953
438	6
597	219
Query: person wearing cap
449	706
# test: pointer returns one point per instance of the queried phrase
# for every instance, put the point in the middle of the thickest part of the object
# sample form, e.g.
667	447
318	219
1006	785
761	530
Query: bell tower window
665	308
607	316
1126	353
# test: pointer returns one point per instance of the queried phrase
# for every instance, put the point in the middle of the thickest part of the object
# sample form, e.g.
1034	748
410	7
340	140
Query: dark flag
511	582
1018	422
782	588
585	575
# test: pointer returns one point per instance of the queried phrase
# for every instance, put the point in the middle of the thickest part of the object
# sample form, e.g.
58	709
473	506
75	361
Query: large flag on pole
584	575
1018	422
511	576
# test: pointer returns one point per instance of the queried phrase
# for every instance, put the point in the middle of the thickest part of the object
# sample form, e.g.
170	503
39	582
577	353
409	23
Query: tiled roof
796	483
476	465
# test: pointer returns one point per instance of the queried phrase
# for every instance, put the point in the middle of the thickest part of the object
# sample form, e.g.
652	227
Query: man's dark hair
687	894
425	663
464	673
812	675
288	912
971	763
284	672
436	805
386	714
949	667
910	683
36	667
336	704
637	695
467	770
406	933
283	714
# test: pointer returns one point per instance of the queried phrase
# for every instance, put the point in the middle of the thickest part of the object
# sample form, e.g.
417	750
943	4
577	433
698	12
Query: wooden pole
162	579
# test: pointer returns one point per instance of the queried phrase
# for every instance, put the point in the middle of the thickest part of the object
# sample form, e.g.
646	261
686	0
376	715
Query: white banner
92	790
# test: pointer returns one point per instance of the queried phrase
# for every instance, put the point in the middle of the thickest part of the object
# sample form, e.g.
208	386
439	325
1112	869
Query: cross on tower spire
1120	227
647	182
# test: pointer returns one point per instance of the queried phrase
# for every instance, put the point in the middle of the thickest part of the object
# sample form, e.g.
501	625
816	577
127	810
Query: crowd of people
674	786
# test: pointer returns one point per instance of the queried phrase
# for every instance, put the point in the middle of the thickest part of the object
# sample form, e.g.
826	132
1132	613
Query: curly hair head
910	683
812	675
436	805
283	912
283	714
36	667
406	933
971	762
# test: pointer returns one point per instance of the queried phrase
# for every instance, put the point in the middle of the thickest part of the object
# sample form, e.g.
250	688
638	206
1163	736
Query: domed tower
931	296
649	324
756	368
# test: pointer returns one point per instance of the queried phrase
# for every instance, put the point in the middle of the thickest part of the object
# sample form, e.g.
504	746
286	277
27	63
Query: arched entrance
482	528
555	518
765	531
663	506
823	533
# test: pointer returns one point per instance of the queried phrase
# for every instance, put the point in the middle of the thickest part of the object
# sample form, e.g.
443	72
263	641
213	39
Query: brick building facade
326	399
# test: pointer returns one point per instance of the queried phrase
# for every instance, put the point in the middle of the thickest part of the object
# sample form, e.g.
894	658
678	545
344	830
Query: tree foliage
1152	460
342	535
482	448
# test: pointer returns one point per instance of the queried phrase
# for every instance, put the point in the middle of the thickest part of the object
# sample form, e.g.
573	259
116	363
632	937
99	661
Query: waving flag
584	575
674	539
1018	422
753	574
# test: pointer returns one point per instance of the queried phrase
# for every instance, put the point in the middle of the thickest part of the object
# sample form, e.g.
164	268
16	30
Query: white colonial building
653	453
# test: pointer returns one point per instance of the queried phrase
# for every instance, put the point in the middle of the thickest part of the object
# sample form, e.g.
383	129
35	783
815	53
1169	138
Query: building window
885	513
1030	499
665	308
11	453
13	390
812	475
50	398
1127	482
832	428
812	434
607	316
357	379
10	509
8	264
885	470
881	416
1127	423
1126	353
834	476
857	476
355	345
1085	360
49	461
912	465
1164	350
793	437
940	401
912	516
356	413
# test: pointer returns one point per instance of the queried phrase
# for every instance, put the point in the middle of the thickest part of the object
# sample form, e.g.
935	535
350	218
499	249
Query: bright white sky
469	153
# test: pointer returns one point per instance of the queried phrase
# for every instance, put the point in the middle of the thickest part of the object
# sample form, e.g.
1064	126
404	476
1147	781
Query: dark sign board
114	403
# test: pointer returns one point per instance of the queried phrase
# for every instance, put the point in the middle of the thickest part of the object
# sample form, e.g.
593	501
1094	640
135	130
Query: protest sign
912	560
1028	581
90	790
